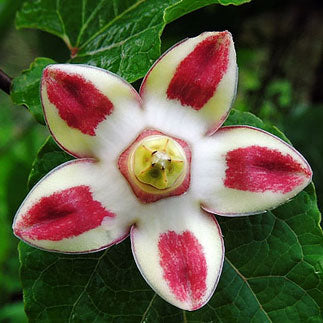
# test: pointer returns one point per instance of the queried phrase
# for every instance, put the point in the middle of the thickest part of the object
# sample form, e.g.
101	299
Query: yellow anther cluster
159	161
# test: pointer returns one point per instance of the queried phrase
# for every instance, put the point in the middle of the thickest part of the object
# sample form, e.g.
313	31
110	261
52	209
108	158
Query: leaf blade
120	36
25	88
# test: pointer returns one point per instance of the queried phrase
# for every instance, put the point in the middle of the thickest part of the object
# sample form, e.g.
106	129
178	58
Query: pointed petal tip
196	78
62	214
199	74
82	105
182	265
257	172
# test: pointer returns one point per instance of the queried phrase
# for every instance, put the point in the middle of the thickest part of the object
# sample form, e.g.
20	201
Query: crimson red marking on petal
64	214
260	169
77	100
184	266
198	75
146	197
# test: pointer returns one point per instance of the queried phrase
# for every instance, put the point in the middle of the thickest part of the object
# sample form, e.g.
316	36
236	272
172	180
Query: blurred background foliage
279	46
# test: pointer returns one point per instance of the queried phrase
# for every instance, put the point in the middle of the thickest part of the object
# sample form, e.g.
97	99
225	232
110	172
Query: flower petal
196	79
245	170
72	209
80	102
179	251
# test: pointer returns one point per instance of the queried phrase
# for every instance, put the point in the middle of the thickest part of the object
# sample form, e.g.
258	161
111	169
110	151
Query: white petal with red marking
245	170
78	207
192	85
179	250
87	107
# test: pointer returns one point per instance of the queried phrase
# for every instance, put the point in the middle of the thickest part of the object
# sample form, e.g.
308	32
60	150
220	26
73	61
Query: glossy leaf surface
120	36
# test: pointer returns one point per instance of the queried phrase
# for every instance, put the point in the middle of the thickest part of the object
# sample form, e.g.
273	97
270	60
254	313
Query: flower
156	166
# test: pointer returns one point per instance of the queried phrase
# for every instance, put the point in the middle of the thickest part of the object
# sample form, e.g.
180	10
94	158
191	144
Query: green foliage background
280	66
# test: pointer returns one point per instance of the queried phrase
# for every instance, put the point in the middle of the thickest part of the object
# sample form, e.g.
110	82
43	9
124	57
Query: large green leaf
19	142
49	156
122	36
25	87
273	270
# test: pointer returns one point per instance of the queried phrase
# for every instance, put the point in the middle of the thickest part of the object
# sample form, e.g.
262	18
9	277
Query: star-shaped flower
156	166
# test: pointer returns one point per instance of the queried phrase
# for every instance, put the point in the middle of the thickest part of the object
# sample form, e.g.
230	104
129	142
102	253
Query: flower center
156	166
159	161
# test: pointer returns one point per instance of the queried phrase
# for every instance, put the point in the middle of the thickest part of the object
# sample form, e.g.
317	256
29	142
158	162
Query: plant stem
5	82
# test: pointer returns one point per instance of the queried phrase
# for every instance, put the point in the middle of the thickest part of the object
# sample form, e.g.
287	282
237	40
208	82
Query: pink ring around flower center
146	193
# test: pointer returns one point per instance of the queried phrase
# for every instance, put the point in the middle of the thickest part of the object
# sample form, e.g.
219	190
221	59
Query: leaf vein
148	308
100	31
64	35
118	44
89	19
87	284
246	281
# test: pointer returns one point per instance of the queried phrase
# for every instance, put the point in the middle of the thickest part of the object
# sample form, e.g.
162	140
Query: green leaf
49	156
106	34
13	312
25	88
185	6
273	271
122	36
8	9
19	142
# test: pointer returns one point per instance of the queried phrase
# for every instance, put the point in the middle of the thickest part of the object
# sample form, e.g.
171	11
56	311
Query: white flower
156	166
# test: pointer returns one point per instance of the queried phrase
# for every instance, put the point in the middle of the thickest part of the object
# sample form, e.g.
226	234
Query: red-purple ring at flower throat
147	197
